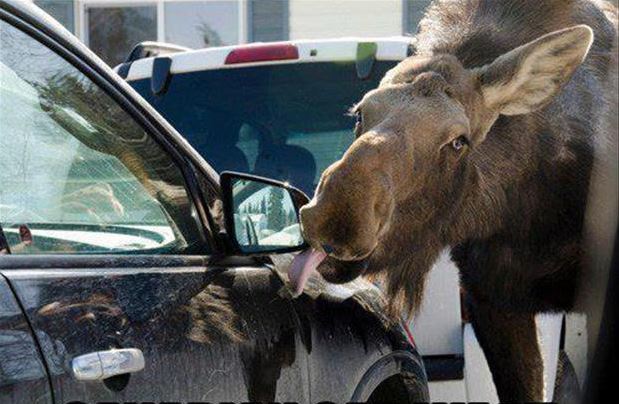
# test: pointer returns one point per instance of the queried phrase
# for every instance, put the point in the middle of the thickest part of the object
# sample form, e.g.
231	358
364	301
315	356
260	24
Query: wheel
567	390
399	389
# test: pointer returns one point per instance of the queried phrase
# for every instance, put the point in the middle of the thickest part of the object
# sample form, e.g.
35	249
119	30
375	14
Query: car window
288	122
77	173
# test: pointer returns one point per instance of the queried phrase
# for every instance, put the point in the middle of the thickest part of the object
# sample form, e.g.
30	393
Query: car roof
309	51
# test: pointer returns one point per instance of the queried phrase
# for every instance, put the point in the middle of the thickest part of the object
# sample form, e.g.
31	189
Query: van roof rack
150	48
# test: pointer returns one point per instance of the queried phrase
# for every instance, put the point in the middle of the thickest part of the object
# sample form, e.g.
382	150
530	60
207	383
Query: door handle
103	364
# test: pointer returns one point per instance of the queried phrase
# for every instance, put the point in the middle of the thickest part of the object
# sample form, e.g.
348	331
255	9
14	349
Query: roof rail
149	48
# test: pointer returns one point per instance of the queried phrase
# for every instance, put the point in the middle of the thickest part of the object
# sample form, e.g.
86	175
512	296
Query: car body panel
191	323
353	346
332	343
23	375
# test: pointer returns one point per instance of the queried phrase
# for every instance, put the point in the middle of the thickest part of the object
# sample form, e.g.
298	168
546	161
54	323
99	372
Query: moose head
399	194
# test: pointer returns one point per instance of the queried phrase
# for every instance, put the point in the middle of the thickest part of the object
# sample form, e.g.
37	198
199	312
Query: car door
109	252
23	377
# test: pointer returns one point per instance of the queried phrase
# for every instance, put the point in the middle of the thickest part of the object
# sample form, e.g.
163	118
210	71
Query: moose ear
526	78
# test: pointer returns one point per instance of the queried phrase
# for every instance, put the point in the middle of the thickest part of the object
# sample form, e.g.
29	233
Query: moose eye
459	142
358	117
358	123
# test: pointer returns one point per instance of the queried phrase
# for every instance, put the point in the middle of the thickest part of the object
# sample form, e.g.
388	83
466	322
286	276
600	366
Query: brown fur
511	78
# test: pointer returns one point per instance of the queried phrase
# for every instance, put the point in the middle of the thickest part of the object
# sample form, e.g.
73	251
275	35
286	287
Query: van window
286	121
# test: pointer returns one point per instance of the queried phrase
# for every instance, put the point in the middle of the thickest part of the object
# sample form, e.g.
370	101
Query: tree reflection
210	37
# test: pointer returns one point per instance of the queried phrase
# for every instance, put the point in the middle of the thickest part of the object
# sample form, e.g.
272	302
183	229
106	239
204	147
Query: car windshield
287	121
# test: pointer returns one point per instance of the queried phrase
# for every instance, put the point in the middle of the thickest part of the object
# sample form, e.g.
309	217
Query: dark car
131	272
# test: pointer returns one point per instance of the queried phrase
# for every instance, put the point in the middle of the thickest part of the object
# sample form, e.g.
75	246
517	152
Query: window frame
249	20
81	22
189	167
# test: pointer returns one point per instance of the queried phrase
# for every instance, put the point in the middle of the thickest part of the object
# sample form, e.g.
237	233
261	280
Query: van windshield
288	121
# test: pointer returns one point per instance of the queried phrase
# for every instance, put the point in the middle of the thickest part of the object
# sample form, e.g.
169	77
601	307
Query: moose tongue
302	266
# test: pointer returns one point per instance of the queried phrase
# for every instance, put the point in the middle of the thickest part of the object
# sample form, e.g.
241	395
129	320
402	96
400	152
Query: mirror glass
265	217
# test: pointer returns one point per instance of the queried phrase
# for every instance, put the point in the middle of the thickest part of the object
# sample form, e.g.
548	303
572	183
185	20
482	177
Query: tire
400	389
567	389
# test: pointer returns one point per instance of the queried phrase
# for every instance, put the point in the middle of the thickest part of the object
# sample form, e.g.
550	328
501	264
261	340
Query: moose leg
509	342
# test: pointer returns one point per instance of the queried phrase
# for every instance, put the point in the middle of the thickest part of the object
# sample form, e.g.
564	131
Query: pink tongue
302	266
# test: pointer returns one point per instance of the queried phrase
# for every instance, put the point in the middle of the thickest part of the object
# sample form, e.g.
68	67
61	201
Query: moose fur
482	142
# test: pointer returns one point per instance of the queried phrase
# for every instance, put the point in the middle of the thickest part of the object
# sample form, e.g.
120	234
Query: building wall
413	13
113	27
311	19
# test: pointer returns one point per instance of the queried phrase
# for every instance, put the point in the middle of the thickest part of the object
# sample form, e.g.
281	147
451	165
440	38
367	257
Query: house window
112	31
61	10
267	20
111	28
201	24
413	13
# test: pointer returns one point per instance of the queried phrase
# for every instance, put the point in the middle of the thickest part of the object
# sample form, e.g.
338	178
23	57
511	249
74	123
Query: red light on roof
262	53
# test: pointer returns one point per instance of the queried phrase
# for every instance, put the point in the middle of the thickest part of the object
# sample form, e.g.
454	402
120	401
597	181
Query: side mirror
262	215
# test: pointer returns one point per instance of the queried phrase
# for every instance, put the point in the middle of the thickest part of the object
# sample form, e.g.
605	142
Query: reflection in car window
77	173
264	216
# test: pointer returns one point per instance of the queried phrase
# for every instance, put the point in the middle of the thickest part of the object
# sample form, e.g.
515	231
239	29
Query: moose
482	142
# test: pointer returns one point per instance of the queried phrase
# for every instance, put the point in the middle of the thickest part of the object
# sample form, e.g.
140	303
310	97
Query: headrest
294	164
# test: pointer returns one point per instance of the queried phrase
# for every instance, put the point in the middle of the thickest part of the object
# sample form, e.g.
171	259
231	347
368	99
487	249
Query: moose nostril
327	248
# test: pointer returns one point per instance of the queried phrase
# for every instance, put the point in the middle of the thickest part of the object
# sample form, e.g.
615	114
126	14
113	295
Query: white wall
437	327
311	19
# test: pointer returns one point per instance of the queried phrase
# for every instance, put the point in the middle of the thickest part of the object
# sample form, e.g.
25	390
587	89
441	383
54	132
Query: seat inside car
291	163
220	144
